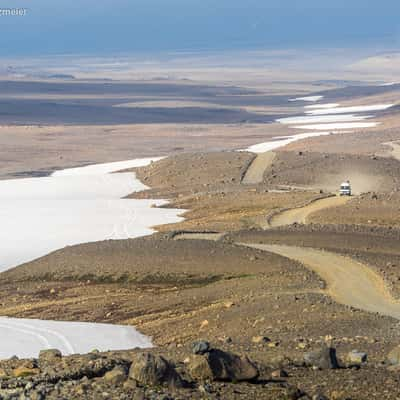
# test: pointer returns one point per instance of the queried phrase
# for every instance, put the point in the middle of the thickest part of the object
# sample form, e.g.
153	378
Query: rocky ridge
206	373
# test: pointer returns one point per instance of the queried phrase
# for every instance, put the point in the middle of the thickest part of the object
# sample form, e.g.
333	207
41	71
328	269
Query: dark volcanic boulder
154	370
223	366
323	358
200	347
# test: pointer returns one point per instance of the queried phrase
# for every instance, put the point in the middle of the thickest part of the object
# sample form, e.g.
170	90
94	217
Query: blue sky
128	26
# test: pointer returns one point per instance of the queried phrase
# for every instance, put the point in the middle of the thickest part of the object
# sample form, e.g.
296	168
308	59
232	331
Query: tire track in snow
41	338
37	330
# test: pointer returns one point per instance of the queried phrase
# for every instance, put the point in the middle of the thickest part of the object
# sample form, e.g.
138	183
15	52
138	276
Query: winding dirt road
348	281
301	214
255	172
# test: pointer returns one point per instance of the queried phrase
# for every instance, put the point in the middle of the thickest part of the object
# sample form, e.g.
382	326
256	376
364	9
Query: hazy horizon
122	26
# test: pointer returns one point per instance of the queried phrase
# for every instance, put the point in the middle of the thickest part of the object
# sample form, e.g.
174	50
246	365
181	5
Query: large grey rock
154	370
200	347
49	356
223	366
323	358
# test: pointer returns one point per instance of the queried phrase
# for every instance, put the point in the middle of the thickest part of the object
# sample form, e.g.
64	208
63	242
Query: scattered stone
260	339
117	376
323	358
281	361
154	370
204	324
49	356
200	347
205	388
294	393
356	357
319	397
279	373
222	366
393	358
338	395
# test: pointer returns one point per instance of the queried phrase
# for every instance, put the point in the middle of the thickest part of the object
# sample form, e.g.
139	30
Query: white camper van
345	189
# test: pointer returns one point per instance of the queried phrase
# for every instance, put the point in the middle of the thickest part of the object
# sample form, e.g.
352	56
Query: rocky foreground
204	373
